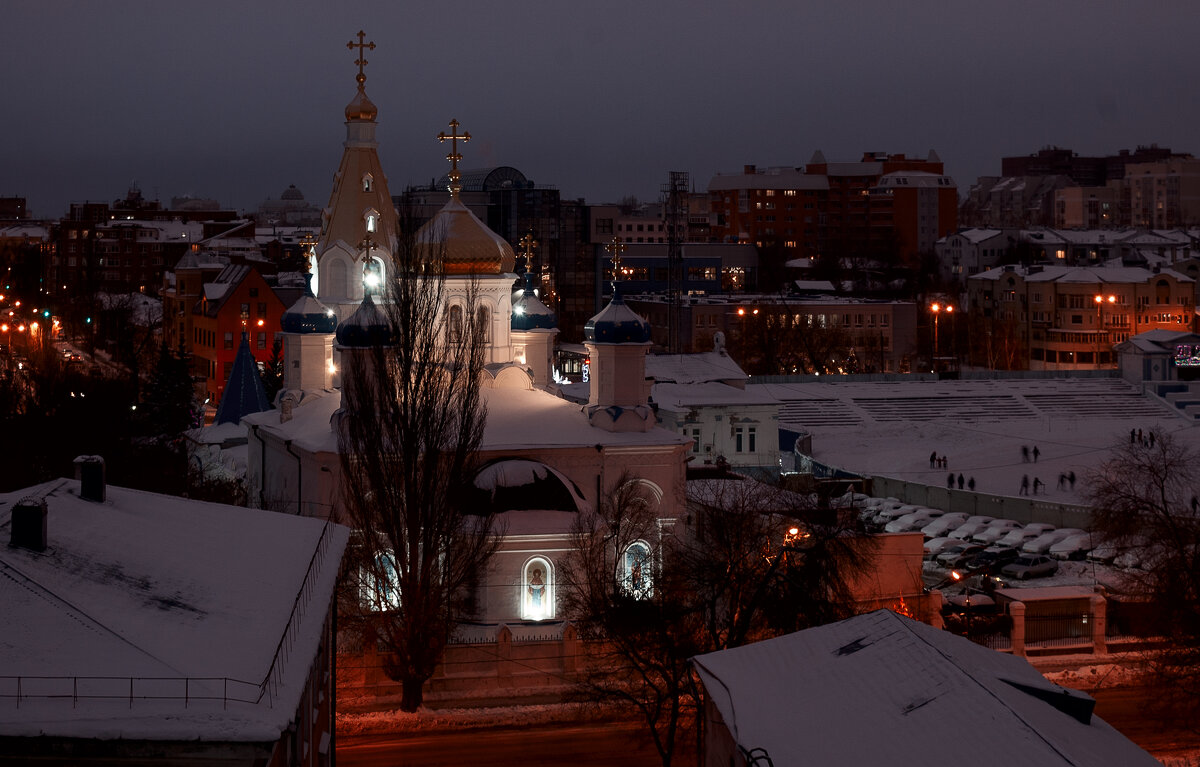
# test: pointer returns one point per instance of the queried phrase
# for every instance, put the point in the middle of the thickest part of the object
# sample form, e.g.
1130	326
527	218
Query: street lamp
937	310
1100	300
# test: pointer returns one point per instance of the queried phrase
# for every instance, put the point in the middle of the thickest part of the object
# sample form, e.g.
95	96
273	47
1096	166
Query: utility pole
674	197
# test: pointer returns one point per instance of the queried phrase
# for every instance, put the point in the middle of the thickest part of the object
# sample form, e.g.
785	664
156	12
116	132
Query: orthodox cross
615	249
308	245
454	156
361	60
527	245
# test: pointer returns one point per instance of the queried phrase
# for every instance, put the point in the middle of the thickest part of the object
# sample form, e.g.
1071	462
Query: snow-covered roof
144	586
676	397
693	368
1080	274
808	697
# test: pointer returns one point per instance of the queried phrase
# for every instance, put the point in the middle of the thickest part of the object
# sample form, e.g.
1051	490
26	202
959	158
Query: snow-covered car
1072	547
995	530
1042	543
1018	537
913	521
1030	566
944	524
993	557
889	513
971	526
935	546
958	555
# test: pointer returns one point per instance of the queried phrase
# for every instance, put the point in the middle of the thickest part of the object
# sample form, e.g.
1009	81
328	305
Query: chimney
29	524
89	470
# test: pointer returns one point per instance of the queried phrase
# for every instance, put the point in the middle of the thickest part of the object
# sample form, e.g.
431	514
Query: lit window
537	587
636	576
378	587
368	182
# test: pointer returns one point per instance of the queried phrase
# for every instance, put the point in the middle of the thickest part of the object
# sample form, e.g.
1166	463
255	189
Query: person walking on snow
1025	484
1036	453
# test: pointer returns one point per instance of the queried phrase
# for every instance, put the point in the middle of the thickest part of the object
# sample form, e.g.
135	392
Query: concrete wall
1024	510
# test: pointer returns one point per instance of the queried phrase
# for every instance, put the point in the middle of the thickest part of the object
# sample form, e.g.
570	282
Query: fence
1024	510
130	689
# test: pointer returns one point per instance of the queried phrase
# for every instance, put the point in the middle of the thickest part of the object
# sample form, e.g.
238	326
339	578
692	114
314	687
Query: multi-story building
1087	207
236	300
1164	194
1069	318
971	251
769	207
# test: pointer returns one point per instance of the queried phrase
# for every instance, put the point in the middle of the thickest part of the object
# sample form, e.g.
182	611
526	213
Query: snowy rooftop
806	698
164	591
683	396
890	428
693	368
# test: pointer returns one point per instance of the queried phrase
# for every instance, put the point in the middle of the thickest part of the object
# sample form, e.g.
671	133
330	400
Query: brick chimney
89	470
29	524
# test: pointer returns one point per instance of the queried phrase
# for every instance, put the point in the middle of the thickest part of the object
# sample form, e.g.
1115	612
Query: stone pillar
570	648
933	609
504	654
1016	611
1099	607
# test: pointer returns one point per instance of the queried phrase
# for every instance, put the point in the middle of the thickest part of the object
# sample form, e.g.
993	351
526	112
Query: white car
936	546
1042	543
944	524
995	531
973	525
1072	547
888	514
1018	537
912	521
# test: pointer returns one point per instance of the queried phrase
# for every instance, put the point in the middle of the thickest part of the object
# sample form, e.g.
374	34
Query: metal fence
1058	630
130	689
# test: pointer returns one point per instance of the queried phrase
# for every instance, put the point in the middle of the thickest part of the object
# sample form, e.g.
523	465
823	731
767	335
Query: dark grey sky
235	100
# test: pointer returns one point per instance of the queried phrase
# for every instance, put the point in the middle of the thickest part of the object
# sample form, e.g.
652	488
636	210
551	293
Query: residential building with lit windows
1164	194
769	207
1071	317
1087	207
237	298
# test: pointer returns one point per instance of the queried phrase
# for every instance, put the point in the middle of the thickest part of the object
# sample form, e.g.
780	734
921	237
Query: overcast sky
236	100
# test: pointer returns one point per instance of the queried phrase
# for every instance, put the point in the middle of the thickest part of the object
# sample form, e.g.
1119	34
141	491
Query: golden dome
361	108
463	243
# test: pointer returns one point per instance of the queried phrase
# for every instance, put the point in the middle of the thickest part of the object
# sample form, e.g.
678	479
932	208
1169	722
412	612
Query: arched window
537	590
368	182
454	324
335	277
372	219
378	586
637	571
484	317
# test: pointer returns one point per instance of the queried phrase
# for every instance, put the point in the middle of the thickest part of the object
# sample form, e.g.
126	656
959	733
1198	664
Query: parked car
993	557
1042	543
889	513
1018	537
958	555
1072	547
995	530
970	527
913	521
943	525
935	546
1030	566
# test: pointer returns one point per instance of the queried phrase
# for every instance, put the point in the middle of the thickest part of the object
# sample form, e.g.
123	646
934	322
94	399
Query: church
544	459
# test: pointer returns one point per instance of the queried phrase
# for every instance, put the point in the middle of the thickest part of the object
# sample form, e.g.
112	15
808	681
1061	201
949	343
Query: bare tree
753	562
1144	499
413	419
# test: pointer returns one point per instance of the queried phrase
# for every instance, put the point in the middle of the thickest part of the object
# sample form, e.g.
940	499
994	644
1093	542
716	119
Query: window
372	219
229	340
751	436
484	318
738	440
254	292
454	324
636	575
696	440
262	340
367	182
537	590
378	586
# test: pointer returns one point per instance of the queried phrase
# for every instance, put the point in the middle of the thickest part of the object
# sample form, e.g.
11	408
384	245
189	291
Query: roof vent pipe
89	470
29	524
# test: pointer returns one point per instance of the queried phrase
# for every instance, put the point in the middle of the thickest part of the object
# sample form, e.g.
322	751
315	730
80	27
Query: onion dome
528	311
291	193
308	315
457	239
361	108
617	323
367	327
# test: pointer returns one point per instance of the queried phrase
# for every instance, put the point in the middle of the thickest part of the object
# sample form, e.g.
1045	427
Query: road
1130	710
588	745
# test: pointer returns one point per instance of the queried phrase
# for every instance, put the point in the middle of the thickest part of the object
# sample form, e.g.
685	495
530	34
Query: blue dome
617	324
308	315
367	327
529	313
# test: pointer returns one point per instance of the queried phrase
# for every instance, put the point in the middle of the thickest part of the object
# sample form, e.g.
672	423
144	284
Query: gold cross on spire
615	249
454	156
527	245
361	60
308	245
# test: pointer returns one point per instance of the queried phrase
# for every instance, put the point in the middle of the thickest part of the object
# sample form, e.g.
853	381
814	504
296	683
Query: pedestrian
1038	483
932	458
1024	453
1071	478
1132	436
971	484
1151	439
950	481
1036	453
1062	480
1140	438
960	482
1195	504
1025	484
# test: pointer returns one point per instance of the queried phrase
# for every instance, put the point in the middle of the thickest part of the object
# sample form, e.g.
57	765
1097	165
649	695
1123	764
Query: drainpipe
262	468
287	445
